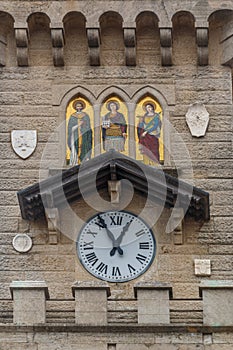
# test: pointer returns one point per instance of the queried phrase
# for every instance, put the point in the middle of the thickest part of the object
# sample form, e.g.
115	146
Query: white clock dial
116	246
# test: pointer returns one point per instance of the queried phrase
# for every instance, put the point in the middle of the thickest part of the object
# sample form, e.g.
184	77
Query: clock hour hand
119	240
111	236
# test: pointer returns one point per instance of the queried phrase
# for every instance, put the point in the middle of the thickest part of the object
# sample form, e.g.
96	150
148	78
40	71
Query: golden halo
152	103
113	101
80	102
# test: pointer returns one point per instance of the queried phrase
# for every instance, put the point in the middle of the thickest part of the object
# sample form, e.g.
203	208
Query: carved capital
21	37
93	38
57	37
166	46
130	46
202	45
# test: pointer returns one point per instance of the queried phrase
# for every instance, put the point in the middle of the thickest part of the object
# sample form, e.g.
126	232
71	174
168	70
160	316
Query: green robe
83	146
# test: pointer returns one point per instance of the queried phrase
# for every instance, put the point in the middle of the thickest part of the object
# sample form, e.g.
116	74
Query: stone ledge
214	284
91	285
26	285
153	286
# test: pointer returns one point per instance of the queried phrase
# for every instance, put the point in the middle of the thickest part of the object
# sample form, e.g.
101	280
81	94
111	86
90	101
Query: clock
116	246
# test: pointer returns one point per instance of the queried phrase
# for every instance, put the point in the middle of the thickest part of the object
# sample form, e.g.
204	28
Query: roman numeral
102	268
116	271
144	245
116	220
88	245
140	233
91	233
141	258
92	258
100	224
131	268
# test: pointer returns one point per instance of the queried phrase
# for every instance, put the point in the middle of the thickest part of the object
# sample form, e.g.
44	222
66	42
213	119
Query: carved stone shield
197	119
24	142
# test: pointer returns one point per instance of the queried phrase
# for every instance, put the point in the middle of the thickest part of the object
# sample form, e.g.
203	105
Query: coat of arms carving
24	142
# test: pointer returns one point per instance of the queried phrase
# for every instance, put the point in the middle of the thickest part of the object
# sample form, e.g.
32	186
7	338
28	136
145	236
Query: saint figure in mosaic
148	132
114	128
79	134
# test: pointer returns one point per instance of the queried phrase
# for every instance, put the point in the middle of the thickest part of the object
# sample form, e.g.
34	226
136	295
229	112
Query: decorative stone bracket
57	36
93	38
202	46
114	189
176	225
130	46
21	36
166	46
53	219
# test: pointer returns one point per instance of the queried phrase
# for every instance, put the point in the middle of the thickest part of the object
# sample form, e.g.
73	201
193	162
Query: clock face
116	246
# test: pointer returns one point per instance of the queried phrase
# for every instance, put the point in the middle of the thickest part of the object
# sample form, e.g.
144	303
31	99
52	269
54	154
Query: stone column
29	302
91	302
217	302
153	303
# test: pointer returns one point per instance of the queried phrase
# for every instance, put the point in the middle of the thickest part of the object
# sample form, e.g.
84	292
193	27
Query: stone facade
178	52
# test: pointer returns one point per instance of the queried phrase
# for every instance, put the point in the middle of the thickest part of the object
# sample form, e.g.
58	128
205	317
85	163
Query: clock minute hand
123	232
119	240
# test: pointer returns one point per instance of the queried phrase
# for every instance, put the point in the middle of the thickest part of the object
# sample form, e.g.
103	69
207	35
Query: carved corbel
166	46
52	216
93	38
202	46
57	37
21	36
130	46
2	50
114	189
176	223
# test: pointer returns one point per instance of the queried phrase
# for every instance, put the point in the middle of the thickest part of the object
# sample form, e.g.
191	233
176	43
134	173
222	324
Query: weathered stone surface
37	96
